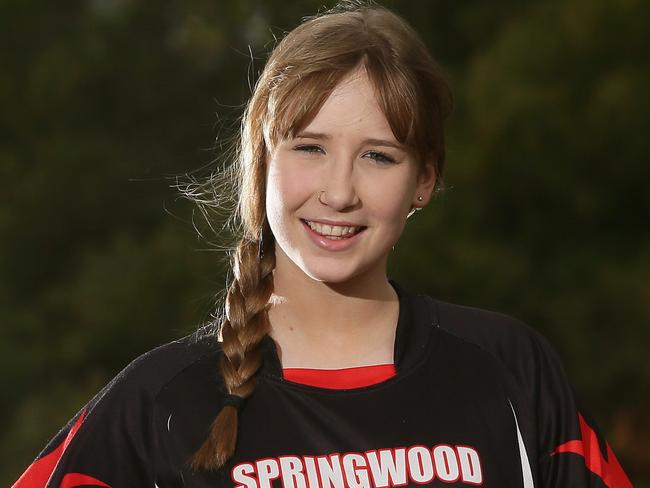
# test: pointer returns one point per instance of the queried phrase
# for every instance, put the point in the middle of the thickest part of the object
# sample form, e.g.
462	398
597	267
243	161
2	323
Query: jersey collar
417	317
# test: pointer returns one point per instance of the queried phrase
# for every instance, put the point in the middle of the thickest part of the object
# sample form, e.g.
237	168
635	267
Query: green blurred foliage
105	102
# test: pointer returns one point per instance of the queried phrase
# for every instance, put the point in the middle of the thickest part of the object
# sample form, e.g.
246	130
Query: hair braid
245	325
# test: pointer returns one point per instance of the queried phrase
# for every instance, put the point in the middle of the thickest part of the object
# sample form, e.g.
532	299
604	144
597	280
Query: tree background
106	102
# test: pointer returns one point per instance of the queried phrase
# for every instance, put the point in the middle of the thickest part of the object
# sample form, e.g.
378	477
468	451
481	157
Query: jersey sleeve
108	443
573	451
564	445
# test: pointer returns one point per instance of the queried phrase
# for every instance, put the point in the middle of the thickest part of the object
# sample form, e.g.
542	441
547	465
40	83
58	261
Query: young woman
324	372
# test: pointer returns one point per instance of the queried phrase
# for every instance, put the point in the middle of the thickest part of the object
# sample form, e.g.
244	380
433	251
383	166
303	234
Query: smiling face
368	180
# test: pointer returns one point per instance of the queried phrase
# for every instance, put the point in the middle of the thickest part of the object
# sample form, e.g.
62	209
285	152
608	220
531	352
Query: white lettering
470	465
377	468
356	472
267	470
446	463
331	473
312	473
291	468
420	464
240	475
391	463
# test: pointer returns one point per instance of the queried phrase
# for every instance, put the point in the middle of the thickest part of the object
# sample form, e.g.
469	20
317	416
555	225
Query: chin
333	273
328	276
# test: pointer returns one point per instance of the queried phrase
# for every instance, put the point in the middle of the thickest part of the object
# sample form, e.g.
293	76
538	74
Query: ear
425	184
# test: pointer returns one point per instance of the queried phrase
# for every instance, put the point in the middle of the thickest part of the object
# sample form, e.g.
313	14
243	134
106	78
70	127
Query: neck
332	325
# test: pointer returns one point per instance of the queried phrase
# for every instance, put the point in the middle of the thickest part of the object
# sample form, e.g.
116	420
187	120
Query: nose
338	189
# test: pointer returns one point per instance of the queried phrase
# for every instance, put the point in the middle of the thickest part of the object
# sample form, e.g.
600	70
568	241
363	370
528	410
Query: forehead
352	109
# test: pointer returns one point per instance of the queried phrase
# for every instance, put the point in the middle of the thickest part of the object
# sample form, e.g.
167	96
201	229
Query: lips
332	243
333	231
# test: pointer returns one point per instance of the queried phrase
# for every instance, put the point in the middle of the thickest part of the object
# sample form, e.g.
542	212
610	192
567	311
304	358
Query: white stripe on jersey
525	465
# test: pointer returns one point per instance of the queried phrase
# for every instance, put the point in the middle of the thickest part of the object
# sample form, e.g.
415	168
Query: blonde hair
300	74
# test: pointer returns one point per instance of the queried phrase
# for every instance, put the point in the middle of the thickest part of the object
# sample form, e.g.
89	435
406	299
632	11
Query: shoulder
504	336
112	437
154	369
487	329
551	419
530	360
148	374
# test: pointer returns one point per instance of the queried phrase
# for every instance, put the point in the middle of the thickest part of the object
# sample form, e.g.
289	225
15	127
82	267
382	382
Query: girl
325	372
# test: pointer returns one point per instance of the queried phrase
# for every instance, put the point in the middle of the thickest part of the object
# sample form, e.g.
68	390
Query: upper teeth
332	230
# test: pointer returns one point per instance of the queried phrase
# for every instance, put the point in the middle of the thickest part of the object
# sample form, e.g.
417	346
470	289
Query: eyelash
378	156
381	157
308	148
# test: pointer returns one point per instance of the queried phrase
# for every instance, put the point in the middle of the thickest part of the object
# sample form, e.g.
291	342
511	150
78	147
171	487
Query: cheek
285	189
398	205
392	200
273	190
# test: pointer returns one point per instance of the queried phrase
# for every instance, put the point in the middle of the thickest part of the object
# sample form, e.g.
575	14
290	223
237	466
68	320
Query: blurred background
105	103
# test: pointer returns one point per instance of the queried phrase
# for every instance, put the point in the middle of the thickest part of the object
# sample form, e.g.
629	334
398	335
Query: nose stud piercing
323	191
413	209
420	198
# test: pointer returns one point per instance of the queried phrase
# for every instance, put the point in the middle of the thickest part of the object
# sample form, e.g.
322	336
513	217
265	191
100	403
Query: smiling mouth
334	232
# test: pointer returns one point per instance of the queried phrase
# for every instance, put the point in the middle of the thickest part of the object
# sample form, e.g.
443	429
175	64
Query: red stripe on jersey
344	378
39	472
72	480
609	470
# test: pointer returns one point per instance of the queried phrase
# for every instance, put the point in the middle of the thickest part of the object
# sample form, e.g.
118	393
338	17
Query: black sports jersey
478	399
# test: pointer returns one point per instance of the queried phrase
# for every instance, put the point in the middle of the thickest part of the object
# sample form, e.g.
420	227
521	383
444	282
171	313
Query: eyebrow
371	141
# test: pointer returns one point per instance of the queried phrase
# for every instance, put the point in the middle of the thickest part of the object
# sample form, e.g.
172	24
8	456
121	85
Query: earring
415	209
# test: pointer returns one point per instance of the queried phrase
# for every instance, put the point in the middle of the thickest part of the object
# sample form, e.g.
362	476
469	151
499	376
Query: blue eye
380	157
308	148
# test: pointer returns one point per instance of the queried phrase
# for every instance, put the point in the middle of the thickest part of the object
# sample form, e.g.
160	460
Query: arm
574	451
